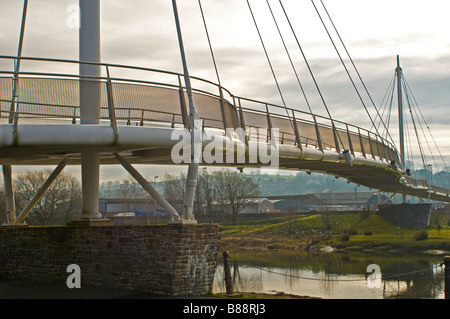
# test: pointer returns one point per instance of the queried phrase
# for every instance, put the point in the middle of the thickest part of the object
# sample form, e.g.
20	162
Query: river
337	275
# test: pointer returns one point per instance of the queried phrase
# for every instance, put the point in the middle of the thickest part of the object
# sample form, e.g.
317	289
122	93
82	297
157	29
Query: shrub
344	237
422	235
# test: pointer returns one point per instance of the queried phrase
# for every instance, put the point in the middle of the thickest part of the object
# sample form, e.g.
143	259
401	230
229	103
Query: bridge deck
40	116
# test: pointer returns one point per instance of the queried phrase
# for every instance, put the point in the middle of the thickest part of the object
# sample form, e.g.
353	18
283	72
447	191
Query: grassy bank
341	231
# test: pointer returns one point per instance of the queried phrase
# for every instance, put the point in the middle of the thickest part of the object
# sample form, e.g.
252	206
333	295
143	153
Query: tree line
61	203
224	188
215	189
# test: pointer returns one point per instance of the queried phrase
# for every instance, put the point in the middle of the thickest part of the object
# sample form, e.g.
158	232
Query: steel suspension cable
425	122
209	43
388	96
289	56
306	62
309	67
420	124
391	89
354	66
416	131
267	55
391	102
423	131
270	63
408	142
345	67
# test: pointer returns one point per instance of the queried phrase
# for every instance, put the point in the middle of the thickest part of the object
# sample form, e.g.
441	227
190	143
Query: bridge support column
90	180
90	98
191	185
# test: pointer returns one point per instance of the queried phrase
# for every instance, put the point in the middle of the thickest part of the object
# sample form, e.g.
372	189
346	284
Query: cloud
143	33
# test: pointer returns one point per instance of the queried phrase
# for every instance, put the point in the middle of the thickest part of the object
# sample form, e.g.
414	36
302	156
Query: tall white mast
399	74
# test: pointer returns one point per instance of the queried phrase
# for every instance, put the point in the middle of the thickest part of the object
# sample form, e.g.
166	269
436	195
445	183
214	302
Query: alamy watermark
74	279
73	20
374	280
210	148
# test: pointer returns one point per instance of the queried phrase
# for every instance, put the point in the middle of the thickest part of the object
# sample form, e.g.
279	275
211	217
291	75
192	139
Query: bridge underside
35	144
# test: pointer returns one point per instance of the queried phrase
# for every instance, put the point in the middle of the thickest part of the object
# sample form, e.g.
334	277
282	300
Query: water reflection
336	275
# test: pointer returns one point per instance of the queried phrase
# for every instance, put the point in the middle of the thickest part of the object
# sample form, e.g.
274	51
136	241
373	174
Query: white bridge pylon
98	115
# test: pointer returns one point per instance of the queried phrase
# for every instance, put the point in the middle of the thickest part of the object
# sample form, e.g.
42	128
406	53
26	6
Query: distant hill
283	185
303	183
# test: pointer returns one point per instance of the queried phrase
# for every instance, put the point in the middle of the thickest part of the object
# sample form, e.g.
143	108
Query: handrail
132	67
232	114
312	115
351	130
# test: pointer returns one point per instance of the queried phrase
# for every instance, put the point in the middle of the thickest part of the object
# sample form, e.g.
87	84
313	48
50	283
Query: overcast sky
142	32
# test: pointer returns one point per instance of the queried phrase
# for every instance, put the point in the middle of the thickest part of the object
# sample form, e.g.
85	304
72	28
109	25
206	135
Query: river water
336	275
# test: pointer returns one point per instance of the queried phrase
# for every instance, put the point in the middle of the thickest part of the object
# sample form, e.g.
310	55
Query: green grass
365	230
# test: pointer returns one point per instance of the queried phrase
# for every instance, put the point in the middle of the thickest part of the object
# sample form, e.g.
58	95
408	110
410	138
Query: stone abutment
171	259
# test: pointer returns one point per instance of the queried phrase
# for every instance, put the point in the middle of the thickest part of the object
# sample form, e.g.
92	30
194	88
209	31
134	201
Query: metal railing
142	96
31	94
308	129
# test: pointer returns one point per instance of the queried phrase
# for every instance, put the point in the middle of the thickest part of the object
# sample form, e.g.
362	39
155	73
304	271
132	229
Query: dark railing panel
354	137
147	98
286	132
328	138
231	114
307	132
6	84
256	125
209	110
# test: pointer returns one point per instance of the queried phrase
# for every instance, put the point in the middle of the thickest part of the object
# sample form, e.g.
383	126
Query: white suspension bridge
92	115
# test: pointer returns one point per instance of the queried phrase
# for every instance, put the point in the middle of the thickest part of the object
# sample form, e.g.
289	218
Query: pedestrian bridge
64	112
143	112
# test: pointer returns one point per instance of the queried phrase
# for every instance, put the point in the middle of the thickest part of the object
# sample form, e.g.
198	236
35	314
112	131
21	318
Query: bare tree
129	190
59	203
207	191
174	190
236	190
229	188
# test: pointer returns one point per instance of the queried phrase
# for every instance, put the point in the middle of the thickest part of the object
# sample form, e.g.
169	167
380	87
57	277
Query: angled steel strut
195	128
